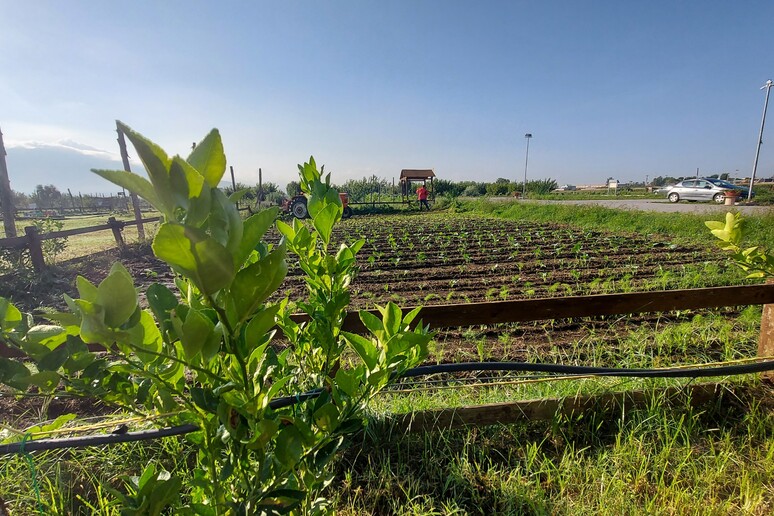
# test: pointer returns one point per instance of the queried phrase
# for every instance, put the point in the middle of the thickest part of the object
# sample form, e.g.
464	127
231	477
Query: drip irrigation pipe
695	372
141	435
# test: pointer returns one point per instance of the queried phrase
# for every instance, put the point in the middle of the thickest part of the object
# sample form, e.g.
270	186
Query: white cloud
67	145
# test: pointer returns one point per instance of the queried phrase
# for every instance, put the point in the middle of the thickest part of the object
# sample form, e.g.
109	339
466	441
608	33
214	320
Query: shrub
204	353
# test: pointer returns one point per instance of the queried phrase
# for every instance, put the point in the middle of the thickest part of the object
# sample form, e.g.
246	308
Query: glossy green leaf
10	316
212	345
254	229
348	382
325	219
117	296
290	446
199	208
13	372
161	301
46	380
208	158
256	282
371	322
378	379
192	252
197	330
146	336
86	289
185	188
327	417
45	333
265	430
392	317
363	347
225	222
324	455
156	163
205	399
93	329
261	323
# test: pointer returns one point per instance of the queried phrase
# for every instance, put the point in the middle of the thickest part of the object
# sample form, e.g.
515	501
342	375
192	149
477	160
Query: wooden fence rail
524	310
32	239
499	312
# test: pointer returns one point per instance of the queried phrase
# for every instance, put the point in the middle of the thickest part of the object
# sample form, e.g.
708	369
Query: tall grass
759	229
717	459
80	481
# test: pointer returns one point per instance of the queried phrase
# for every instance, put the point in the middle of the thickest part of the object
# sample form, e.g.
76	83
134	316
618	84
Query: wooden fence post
766	341
135	199
116	226
36	250
6	195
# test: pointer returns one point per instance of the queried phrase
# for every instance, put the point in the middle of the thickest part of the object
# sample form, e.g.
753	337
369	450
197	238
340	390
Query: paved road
666	206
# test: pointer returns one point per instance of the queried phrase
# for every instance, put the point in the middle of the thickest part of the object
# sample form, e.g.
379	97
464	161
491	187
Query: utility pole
767	87
528	137
6	195
135	200
260	187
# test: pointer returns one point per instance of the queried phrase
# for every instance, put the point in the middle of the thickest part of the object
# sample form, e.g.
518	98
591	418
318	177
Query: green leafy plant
51	247
205	354
756	261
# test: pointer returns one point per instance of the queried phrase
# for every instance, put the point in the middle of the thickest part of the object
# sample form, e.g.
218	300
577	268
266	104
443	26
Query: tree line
366	189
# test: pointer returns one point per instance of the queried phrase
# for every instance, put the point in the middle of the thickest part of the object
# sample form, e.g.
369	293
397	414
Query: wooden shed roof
410	173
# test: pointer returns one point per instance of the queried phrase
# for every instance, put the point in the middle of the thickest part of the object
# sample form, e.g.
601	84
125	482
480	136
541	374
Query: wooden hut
409	176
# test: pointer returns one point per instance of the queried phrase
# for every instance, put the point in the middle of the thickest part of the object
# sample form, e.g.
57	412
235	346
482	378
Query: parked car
566	188
703	189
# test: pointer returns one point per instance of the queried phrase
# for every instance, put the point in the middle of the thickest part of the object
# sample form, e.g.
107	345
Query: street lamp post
527	136
767	87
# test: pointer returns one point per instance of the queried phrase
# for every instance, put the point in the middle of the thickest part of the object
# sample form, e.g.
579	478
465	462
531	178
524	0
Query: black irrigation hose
142	435
694	372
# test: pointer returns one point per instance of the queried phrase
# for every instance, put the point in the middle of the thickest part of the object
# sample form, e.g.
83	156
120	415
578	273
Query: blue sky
608	89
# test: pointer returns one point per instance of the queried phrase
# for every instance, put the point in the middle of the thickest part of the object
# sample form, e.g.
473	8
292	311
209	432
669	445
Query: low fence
32	238
499	312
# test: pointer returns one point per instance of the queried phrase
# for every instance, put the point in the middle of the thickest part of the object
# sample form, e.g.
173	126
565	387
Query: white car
703	189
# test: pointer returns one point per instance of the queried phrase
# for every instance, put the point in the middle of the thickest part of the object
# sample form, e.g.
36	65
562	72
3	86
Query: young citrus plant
204	351
756	261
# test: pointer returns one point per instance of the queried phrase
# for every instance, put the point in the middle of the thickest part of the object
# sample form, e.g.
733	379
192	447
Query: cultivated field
667	458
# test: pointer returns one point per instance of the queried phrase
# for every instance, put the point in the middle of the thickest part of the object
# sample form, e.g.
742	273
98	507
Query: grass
713	460
703	338
689	227
656	460
80	481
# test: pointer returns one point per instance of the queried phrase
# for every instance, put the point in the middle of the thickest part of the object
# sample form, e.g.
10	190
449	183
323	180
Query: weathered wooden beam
522	310
22	241
36	250
6	195
545	409
579	306
766	340
135	200
116	227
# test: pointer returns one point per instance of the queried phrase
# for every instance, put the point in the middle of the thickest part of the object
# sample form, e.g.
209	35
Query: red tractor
297	206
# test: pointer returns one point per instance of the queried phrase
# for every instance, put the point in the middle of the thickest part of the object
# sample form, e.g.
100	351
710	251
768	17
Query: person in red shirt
422	196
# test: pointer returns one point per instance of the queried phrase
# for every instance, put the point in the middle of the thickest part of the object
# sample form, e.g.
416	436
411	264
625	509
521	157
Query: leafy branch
756	261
